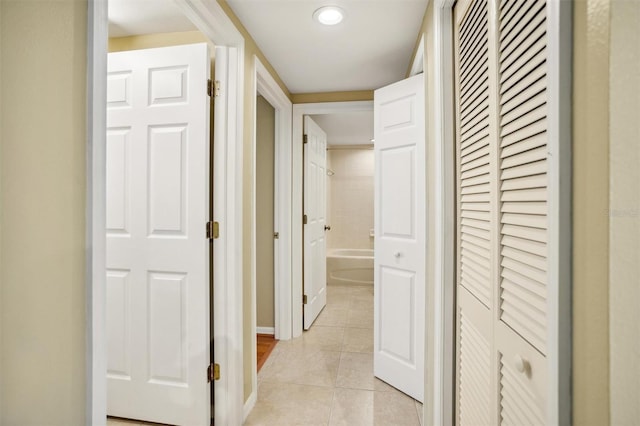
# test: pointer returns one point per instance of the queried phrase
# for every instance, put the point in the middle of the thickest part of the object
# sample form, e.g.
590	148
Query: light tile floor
325	377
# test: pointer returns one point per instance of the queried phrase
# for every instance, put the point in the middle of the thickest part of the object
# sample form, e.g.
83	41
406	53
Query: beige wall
590	219
306	98
265	151
350	198
1	210
624	212
148	41
42	193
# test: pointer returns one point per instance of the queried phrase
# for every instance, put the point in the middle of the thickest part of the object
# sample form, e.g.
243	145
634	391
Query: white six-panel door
315	206
400	226
157	253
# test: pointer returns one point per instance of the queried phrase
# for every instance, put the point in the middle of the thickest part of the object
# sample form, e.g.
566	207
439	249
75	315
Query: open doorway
326	374
211	19
271	304
348	202
158	194
299	111
265	229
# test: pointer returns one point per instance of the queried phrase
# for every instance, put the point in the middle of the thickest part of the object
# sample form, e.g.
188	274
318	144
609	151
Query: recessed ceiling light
329	15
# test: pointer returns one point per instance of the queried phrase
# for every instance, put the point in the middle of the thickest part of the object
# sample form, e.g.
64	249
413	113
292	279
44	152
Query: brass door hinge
305	139
213	88
213	230
213	372
304	219
304	299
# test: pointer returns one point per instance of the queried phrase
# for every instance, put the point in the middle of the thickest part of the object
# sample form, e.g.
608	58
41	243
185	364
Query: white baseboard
266	330
249	404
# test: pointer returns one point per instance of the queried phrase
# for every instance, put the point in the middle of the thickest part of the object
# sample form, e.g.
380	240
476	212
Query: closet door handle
521	364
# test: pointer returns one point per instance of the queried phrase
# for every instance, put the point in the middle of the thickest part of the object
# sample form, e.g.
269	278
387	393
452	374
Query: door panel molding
315	211
401	235
161	304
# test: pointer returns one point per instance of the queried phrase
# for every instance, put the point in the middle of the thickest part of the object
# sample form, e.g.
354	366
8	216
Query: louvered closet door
476	212
522	330
501	96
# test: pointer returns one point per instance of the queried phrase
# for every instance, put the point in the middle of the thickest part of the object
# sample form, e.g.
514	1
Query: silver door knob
397	254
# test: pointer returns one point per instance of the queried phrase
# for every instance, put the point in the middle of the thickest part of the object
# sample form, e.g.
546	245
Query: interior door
400	226
315	200
157	253
504	289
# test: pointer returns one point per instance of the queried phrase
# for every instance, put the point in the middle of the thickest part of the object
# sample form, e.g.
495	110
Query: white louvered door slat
474	150
524	159
502	214
476	190
522	341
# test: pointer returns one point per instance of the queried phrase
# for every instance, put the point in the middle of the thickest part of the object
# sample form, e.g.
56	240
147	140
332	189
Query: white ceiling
371	48
136	17
361	53
349	128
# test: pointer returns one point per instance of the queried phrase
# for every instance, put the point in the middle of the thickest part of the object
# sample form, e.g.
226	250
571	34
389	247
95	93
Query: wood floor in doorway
266	343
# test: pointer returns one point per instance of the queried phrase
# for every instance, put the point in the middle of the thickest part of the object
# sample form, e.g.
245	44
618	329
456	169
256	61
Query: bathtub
350	266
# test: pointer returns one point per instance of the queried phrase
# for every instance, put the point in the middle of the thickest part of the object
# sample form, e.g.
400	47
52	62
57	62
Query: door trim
210	18
265	85
273	93
440	342
227	263
299	111
560	74
95	215
418	64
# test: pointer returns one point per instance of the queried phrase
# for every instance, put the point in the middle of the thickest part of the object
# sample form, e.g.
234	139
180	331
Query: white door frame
439	403
299	111
440	344
265	85
210	18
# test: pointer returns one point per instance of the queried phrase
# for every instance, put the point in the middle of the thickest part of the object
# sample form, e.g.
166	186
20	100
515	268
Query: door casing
266	85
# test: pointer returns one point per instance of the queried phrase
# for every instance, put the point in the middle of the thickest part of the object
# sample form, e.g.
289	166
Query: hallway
325	377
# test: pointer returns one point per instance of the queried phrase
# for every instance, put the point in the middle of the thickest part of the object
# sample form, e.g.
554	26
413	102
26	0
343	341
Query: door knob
521	364
327	228
397	254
